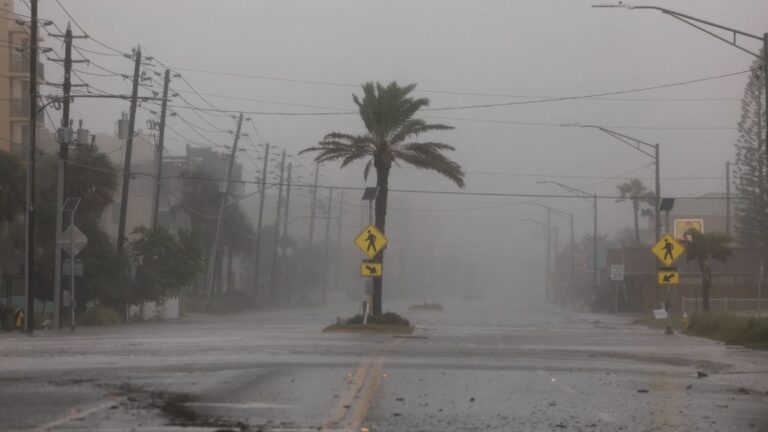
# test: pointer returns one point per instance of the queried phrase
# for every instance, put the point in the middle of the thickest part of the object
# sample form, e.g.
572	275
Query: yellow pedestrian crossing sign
370	269
668	250
371	241
668	276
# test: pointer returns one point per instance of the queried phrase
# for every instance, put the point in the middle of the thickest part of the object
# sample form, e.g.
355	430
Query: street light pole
697	24
585	196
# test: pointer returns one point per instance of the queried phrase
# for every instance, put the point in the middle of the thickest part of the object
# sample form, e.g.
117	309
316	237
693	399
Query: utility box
83	136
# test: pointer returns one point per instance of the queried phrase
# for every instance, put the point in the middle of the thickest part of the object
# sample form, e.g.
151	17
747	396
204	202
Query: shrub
729	328
387	318
100	315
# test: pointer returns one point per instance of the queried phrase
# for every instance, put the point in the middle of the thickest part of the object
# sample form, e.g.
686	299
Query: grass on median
388	322
729	328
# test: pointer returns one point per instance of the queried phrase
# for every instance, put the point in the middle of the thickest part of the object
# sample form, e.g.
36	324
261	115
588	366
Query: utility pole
573	262
29	270
549	246
594	251
338	239
285	229
312	209
728	198
128	150
273	275
160	148
224	195
65	139
327	244
257	246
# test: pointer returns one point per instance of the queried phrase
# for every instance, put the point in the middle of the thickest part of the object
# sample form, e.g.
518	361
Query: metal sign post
70	205
368	243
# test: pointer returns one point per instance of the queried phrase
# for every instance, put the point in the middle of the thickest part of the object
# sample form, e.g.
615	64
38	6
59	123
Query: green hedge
730	328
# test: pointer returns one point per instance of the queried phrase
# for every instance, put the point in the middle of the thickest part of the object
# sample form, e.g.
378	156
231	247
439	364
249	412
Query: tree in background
164	262
635	191
12	204
12	186
200	199
750	165
92	177
702	248
388	114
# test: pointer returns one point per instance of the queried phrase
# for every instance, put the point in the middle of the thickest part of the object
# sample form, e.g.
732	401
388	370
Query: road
486	366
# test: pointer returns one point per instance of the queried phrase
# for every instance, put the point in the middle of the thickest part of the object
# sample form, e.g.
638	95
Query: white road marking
78	415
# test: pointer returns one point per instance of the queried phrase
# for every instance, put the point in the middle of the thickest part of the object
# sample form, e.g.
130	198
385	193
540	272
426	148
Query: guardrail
725	304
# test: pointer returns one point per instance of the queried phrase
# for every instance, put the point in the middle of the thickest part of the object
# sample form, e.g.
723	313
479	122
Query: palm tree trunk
706	284
636	209
382	182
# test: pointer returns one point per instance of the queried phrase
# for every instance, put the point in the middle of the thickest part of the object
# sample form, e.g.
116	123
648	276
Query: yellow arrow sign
668	250
370	269
668	276
371	241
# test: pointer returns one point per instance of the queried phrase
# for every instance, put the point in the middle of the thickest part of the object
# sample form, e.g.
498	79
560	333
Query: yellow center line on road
364	383
668	418
356	382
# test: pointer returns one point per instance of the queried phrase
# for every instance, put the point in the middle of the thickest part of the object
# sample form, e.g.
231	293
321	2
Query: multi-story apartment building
14	80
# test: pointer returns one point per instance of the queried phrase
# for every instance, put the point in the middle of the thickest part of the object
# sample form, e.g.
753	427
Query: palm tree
703	247
634	190
388	116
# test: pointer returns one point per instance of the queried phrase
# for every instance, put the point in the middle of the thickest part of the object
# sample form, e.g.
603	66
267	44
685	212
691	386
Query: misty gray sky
310	56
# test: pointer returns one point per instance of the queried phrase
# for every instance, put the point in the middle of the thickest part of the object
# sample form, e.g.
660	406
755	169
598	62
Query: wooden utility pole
128	150
338	239
284	242
273	274
64	137
257	246
327	244
160	148
313	206
29	268
215	246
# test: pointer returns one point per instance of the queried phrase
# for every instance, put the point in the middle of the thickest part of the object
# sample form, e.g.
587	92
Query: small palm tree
388	113
703	247
634	190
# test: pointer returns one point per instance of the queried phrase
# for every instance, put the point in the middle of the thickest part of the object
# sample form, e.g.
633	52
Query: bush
229	302
729	328
100	315
426	307
387	318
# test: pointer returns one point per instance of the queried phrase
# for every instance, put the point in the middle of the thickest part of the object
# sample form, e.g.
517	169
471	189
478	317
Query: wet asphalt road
486	366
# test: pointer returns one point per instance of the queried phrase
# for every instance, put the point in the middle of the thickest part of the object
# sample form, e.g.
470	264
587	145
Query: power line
462	93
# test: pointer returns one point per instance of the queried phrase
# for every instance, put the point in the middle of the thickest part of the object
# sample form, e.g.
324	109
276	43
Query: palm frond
428	156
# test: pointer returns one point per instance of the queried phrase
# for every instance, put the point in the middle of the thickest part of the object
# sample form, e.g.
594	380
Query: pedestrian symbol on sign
371	239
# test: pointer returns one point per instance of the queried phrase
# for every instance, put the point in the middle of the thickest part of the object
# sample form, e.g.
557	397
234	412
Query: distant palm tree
634	190
388	116
703	247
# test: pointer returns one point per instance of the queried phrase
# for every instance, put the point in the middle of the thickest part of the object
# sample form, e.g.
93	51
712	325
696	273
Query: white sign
77	238
617	272
660	314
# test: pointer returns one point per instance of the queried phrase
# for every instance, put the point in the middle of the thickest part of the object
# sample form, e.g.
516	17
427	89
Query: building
14	81
711	208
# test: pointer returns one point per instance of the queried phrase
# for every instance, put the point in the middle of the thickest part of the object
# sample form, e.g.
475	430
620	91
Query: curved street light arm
687	19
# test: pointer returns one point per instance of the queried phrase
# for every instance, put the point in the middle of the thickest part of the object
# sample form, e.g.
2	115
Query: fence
725	304
168	308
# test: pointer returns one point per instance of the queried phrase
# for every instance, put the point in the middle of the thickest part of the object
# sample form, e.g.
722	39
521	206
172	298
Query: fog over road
488	366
